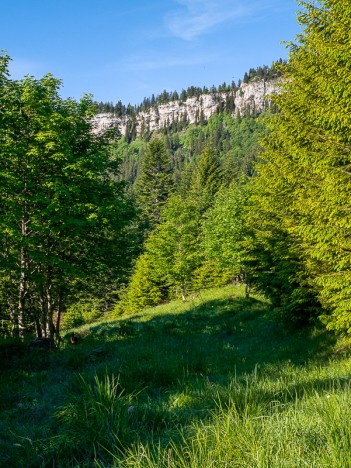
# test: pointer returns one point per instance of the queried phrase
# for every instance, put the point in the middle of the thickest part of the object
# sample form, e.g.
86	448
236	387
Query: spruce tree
207	179
304	187
154	184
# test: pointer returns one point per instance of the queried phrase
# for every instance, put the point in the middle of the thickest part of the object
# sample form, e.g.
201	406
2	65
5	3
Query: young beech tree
62	216
304	185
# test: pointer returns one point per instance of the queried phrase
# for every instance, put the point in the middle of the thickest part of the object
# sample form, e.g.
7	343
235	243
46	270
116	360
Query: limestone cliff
249	98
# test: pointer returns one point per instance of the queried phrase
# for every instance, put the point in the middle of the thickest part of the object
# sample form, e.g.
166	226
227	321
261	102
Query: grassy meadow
217	381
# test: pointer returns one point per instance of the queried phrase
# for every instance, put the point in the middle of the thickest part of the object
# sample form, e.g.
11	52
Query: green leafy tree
223	230
61	211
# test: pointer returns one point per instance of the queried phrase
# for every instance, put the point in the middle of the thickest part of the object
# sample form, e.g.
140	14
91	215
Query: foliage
145	288
206	180
302	194
61	212
175	261
171	255
174	244
81	312
154	183
234	140
223	228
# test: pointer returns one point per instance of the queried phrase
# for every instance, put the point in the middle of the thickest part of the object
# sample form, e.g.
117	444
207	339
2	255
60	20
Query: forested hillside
260	199
280	225
91	205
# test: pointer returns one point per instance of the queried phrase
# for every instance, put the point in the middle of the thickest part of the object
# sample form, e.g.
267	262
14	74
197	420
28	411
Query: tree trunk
13	321
38	329
22	295
58	320
50	311
43	315
183	292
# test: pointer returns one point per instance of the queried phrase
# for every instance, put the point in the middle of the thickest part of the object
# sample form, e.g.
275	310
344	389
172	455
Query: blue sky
128	49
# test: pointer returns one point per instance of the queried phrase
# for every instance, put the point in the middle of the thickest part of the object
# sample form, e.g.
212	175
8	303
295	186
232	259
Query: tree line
119	109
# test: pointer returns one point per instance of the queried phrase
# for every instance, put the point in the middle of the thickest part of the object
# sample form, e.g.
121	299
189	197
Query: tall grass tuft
97	417
255	426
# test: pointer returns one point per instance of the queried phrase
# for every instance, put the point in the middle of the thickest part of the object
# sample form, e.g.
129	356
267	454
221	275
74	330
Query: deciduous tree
62	216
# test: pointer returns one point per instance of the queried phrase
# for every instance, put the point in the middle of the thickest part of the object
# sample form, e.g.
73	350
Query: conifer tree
154	184
304	186
172	254
206	179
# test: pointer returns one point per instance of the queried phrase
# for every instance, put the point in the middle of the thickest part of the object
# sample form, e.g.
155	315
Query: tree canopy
302	193
62	215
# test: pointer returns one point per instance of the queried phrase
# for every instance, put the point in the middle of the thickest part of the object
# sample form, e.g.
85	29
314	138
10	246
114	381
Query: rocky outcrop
249	98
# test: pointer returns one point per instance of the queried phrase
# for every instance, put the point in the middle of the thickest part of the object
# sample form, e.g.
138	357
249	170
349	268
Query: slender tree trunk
13	321
245	283
38	329
183	291
50	311
58	319
23	264
43	315
22	295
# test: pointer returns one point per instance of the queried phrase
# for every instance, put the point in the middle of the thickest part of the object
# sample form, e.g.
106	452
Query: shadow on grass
181	366
222	333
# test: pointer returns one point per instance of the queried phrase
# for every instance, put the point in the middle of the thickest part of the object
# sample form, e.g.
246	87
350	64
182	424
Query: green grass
214	382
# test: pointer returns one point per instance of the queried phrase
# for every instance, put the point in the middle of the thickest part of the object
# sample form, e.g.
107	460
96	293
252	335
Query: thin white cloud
197	17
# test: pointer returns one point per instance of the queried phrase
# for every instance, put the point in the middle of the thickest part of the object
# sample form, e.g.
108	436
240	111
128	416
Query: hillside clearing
216	381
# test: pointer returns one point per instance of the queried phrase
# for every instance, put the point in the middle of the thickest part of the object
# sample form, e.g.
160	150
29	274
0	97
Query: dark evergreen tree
154	184
207	178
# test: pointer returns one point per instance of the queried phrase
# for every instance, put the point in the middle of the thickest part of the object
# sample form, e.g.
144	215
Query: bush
79	313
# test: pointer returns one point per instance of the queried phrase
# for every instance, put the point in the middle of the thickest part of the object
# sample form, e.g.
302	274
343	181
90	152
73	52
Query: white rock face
254	96
248	99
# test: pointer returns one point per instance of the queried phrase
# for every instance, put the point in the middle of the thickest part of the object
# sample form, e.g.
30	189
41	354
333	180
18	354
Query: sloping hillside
214	381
